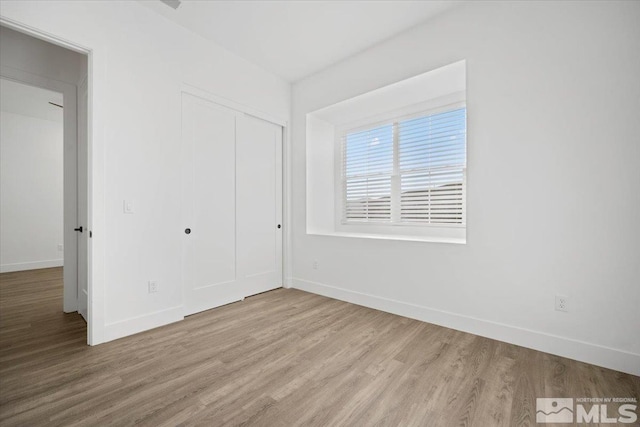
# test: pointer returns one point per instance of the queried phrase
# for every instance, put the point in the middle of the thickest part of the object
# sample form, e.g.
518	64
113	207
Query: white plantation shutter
432	166
367	169
407	172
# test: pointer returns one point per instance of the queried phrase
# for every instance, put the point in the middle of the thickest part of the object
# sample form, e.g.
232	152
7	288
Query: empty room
319	213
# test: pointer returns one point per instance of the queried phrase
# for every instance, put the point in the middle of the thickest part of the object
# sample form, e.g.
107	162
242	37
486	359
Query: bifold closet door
232	205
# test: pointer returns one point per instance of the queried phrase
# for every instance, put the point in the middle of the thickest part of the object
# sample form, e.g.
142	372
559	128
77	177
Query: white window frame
452	233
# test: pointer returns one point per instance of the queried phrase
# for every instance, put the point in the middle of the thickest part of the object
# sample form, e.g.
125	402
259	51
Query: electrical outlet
153	286
60	248
316	264
562	303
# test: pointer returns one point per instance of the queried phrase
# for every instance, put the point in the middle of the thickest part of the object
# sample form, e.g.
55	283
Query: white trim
95	169
33	265
226	102
403	237
431	232
42	35
134	325
595	354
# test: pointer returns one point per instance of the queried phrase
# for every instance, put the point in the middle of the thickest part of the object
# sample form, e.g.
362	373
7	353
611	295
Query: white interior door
259	205
209	264
83	202
232	188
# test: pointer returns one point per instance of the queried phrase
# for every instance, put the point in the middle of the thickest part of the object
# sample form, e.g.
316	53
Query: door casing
69	91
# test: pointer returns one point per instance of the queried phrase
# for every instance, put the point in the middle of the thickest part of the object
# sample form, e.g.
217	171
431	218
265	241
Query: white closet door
209	250
232	188
259	205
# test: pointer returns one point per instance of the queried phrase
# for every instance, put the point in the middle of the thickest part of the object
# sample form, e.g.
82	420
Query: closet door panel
209	258
259	205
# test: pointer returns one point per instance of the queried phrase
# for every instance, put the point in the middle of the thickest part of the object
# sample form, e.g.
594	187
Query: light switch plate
128	206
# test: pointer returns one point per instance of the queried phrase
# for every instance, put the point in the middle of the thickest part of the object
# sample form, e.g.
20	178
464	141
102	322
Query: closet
232	204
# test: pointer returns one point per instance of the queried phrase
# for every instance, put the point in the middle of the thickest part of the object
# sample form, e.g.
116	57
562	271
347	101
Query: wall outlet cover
153	286
562	303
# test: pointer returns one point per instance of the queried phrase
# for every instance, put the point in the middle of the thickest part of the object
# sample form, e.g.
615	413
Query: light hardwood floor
282	358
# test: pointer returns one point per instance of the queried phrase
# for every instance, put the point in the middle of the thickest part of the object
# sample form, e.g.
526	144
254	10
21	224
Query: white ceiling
30	101
295	39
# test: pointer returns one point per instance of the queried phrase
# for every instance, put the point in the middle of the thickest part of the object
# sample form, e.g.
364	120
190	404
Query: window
390	164
368	171
407	171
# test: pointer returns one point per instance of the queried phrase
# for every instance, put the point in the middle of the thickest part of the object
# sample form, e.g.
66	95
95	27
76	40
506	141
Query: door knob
78	229
187	231
279	226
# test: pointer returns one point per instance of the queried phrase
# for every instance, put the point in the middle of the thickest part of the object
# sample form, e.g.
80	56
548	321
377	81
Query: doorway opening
45	173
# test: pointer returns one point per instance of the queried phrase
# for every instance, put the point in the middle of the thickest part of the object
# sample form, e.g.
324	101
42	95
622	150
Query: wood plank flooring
282	358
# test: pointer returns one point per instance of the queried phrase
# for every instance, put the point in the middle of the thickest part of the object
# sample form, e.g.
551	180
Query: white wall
320	182
30	192
553	181
139	64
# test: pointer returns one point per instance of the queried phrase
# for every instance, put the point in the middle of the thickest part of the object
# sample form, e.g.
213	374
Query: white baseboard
287	282
33	265
607	357
142	323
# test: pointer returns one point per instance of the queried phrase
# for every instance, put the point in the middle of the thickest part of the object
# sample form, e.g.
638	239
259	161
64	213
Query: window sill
429	239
